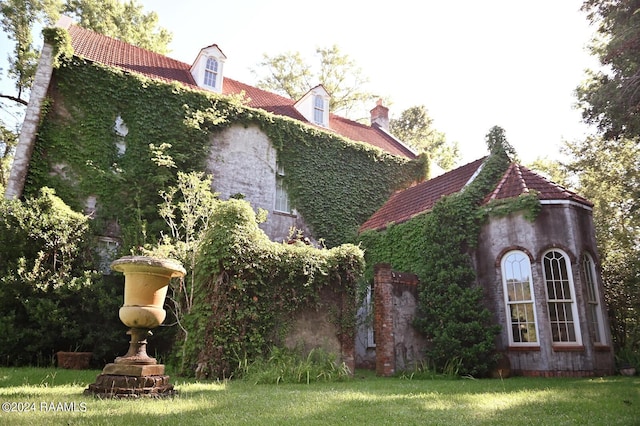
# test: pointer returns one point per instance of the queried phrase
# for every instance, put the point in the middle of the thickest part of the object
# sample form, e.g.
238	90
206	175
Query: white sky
473	64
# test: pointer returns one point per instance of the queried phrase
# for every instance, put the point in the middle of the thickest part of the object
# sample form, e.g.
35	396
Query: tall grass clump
284	365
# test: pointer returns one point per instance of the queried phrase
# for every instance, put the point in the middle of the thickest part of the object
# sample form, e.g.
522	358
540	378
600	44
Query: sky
472	64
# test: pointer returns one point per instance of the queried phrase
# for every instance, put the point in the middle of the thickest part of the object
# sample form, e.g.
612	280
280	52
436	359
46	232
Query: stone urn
136	374
146	280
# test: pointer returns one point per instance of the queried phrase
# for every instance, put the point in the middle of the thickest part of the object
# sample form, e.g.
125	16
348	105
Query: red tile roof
516	181
519	180
404	205
109	51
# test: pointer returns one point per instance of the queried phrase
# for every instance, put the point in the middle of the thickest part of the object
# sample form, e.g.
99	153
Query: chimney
380	115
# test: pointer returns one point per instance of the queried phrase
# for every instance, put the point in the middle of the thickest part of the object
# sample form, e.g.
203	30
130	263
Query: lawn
364	400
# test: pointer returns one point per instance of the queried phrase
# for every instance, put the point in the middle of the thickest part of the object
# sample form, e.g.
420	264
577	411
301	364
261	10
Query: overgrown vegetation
437	246
247	287
282	365
79	142
50	297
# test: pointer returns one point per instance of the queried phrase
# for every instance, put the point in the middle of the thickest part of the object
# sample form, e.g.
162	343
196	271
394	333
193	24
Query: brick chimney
380	115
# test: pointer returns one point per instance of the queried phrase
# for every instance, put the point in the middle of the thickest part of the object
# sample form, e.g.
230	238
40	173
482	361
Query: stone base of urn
110	386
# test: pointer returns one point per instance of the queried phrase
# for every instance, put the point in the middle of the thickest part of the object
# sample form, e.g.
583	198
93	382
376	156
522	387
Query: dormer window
208	68
314	106
211	72
318	110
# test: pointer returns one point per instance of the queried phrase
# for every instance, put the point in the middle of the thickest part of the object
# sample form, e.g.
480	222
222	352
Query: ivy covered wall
334	183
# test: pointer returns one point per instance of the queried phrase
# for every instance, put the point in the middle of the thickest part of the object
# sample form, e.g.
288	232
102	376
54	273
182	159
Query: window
561	298
519	299
211	72
318	110
282	199
369	318
594	312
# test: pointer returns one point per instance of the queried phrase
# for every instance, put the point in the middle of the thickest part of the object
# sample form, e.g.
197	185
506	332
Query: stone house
244	160
541	279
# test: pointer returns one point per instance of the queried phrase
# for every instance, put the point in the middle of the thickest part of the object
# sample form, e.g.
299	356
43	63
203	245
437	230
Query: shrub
50	299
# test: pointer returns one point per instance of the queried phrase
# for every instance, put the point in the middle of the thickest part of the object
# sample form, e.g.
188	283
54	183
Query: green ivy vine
333	182
248	288
438	246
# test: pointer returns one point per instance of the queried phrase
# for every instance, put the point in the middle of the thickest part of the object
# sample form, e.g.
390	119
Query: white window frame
211	72
592	300
318	110
369	316
513	276
282	203
561	302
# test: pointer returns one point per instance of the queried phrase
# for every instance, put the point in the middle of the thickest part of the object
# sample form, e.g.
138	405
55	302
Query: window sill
279	213
602	348
566	348
524	348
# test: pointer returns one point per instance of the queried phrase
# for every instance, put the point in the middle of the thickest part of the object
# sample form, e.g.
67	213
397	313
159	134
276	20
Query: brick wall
399	347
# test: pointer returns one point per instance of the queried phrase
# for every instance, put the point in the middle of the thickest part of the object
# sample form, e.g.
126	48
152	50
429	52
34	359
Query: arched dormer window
318	110
519	299
211	72
561	298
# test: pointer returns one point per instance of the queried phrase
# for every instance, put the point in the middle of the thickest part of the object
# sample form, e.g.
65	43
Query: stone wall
243	161
399	347
564	226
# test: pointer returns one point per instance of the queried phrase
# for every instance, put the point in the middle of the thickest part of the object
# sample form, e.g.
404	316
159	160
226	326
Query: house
541	278
244	162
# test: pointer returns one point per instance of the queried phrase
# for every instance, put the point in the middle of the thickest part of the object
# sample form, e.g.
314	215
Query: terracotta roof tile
516	181
404	205
109	51
519	180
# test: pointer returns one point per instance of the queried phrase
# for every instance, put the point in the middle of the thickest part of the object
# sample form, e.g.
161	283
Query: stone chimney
380	115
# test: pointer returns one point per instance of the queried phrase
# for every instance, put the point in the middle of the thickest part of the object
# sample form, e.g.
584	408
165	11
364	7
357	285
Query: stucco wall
568	227
243	161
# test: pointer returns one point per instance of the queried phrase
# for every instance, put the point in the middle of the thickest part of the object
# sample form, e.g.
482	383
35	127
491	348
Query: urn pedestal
136	374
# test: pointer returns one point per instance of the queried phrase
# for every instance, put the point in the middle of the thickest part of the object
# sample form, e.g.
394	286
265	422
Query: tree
289	75
124	21
415	127
18	20
8	142
608	174
610	98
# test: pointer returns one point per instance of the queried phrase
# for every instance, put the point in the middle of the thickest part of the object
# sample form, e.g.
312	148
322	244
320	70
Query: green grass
364	400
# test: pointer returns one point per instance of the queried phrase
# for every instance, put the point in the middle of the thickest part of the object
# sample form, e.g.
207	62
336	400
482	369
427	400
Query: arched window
561	300
318	110
594	310
211	72
519	299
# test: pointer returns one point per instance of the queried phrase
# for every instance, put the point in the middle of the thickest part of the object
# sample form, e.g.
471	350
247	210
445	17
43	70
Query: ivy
333	182
61	41
248	287
438	246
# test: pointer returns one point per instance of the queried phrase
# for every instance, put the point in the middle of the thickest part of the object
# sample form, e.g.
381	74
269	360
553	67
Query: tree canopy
290	75
414	126
610	98
125	21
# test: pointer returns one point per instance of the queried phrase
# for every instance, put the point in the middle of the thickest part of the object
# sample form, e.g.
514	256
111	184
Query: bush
50	299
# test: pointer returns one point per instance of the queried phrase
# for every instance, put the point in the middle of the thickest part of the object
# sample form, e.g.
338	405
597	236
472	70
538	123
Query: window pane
560	297
516	271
